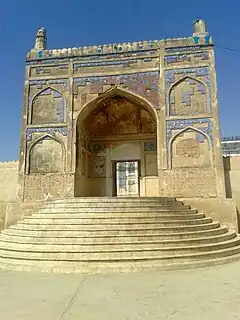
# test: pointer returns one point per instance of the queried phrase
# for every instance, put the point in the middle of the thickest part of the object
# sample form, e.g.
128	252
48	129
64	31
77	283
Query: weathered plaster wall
188	182
48	186
8	181
8	187
232	178
222	210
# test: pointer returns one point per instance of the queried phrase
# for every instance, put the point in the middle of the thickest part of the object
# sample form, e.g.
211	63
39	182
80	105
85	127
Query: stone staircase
116	234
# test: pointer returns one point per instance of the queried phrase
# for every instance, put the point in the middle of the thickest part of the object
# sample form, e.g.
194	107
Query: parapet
199	37
8	164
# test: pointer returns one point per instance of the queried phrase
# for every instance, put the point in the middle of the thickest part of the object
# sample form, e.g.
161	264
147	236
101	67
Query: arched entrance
116	145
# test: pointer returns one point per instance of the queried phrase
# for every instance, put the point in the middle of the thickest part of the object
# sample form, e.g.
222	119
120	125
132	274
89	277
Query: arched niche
48	106
188	96
46	155
190	148
111	129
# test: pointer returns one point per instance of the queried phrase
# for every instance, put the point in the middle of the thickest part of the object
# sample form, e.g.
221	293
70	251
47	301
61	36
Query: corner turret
41	40
200	32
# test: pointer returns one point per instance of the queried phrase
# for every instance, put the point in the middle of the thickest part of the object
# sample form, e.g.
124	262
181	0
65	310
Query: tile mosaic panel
48	106
40	83
145	84
174	75
186	58
150	146
50	130
188	97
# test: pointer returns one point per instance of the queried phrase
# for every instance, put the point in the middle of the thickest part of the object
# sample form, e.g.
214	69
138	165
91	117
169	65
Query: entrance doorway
113	132
126	178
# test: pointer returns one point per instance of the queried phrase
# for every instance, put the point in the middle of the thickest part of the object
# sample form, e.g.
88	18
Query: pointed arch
61	156
184	78
48	111
44	89
193	109
114	119
188	128
110	93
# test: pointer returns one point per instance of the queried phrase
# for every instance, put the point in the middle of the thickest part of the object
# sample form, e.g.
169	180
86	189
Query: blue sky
73	23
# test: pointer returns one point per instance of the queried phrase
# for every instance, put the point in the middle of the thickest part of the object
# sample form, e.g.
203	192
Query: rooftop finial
41	40
200	28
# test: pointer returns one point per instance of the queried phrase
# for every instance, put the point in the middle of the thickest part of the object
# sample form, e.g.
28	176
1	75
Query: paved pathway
203	294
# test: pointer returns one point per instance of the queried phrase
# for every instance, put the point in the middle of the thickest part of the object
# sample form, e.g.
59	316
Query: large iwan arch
116	145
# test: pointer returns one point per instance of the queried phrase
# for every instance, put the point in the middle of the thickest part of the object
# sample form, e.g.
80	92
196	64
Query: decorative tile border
186	48
63	82
145	84
189	57
54	61
150	146
116	56
76	66
50	130
44	70
98	57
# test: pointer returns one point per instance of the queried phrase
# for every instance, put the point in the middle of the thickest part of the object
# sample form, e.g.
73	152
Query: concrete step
114	266
117	199
74	237
93	230
99	234
116	205
31	244
41	219
114	210
108	225
113	215
109	253
115	241
125	256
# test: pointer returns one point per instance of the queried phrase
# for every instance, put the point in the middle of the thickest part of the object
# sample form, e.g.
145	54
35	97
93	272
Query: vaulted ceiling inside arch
117	116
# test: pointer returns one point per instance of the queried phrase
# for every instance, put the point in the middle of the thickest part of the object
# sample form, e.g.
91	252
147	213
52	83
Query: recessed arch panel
46	155
190	148
48	106
188	96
